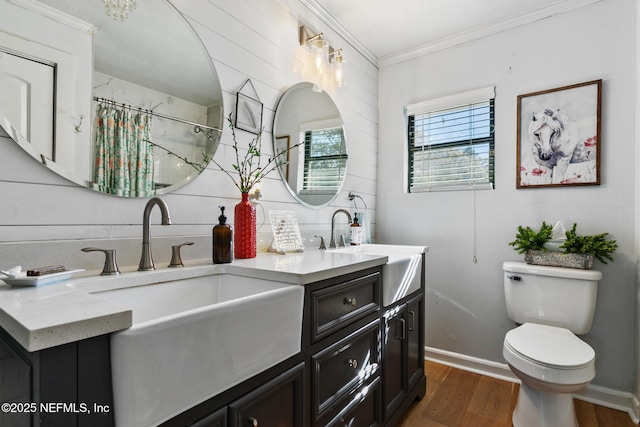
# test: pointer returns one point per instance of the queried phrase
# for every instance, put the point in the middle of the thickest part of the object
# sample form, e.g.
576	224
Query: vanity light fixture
119	9
325	57
337	68
318	47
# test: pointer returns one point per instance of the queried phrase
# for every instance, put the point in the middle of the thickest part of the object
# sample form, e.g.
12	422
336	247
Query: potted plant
574	252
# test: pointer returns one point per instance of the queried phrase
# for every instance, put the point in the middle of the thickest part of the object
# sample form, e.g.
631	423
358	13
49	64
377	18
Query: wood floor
457	398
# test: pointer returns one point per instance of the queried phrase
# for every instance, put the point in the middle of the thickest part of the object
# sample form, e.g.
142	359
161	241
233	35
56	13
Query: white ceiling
389	28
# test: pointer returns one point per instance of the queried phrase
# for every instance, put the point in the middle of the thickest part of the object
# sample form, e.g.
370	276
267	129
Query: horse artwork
557	141
559	137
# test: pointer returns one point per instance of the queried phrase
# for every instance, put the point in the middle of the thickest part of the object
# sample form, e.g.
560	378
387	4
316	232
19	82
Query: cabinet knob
253	422
350	301
353	363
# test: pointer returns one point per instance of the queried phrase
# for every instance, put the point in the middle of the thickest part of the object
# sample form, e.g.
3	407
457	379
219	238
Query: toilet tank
557	296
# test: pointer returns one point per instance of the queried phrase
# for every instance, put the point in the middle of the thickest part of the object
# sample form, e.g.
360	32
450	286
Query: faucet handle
110	266
176	260
342	244
322	244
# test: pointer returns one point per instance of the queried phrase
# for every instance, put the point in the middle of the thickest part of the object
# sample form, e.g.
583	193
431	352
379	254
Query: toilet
551	305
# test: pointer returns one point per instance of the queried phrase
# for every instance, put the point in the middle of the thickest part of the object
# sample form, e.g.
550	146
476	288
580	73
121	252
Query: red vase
244	229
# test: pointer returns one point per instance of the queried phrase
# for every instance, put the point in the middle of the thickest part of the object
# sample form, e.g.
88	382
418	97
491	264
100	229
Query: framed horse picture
558	134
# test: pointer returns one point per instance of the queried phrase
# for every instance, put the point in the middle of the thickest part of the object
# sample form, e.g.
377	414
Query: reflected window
325	160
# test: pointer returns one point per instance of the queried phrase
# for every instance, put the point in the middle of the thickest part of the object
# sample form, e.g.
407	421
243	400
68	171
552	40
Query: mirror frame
276	136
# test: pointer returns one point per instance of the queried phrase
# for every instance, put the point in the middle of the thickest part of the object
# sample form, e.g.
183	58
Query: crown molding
468	36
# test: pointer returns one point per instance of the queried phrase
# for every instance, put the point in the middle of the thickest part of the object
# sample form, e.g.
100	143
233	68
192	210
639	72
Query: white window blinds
451	142
325	160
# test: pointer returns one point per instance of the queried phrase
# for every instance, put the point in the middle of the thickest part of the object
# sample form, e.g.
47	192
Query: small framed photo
282	150
558	136
248	113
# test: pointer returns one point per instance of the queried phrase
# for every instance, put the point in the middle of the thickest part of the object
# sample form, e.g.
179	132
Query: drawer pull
350	301
253	422
403	328
413	321
353	363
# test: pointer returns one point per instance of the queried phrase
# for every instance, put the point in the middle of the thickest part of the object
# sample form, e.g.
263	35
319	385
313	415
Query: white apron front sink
192	339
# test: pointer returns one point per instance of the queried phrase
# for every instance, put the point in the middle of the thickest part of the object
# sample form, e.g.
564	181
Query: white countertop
59	313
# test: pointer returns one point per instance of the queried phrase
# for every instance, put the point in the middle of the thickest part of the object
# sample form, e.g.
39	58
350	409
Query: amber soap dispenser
222	240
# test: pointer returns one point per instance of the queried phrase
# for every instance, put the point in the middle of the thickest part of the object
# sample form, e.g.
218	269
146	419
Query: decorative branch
249	169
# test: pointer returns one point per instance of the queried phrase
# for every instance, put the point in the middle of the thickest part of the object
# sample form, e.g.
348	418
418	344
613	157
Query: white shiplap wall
45	219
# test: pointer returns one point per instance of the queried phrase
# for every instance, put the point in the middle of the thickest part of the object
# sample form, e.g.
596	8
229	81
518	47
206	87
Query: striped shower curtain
124	152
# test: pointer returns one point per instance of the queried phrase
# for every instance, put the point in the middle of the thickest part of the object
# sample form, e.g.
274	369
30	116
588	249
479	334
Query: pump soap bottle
356	231
222	238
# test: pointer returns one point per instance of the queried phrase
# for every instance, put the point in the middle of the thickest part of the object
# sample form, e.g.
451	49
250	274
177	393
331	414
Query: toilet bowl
551	305
552	363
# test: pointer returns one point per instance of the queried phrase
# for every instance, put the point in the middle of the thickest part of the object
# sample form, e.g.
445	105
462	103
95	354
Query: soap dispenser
222	238
355	231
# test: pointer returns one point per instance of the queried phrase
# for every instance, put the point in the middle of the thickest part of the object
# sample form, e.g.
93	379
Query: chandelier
119	9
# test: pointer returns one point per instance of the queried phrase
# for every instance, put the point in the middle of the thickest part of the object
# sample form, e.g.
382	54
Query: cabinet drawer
336	306
344	366
363	409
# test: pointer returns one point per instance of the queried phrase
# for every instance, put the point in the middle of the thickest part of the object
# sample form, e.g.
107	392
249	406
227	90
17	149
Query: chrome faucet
146	261
332	243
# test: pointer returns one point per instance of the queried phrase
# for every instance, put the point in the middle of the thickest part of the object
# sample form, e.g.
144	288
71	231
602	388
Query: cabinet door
277	403
415	341
394	362
16	375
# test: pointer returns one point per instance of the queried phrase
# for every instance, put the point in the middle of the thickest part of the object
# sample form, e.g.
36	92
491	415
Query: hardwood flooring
457	398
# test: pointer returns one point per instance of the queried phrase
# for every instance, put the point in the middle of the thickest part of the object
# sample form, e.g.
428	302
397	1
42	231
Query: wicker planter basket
558	259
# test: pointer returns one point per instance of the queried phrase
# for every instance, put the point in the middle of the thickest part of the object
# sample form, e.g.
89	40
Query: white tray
39	280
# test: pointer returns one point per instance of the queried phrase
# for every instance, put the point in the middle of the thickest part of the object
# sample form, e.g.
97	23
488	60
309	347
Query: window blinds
451	142
325	160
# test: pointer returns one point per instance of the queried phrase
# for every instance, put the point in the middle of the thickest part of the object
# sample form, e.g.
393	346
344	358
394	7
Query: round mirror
308	135
137	105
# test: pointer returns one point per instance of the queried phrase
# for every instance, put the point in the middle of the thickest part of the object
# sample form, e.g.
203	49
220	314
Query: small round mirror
308	135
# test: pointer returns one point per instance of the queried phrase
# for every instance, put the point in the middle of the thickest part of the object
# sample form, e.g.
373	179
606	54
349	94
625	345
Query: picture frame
248	109
558	136
283	148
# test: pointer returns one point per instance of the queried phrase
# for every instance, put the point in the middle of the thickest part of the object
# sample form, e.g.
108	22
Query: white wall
45	219
465	300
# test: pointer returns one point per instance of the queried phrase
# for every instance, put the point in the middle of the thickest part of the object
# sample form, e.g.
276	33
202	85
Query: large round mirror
130	107
308	135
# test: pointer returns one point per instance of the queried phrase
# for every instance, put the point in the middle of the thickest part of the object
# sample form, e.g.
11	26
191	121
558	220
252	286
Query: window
325	160
451	142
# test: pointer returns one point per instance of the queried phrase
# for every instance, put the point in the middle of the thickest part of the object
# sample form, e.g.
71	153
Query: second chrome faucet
332	243
146	260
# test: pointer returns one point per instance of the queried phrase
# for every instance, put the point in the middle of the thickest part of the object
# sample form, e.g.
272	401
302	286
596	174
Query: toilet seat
550	354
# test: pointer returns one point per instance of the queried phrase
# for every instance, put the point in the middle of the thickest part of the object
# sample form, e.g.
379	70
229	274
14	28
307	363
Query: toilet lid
550	346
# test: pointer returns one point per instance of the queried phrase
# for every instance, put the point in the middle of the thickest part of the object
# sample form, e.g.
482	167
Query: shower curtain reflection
124	152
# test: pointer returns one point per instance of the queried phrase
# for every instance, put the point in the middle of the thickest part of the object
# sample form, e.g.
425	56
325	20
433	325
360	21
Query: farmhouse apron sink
194	338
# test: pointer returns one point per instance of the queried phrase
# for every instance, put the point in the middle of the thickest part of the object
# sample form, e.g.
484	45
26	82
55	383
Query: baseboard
603	396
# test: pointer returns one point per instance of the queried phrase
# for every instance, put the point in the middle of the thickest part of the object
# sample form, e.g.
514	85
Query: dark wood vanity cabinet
360	365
